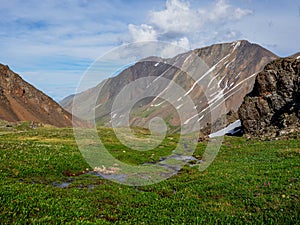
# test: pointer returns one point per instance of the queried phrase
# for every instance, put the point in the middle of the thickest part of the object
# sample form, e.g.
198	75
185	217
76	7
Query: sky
51	43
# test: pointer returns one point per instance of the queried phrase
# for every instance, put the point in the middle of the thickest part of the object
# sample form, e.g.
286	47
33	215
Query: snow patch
220	81
200	118
229	94
156	105
188	120
213	94
216	97
232	61
187	58
179	99
156	64
178	107
211	81
245	79
230	129
204	75
160	77
236	45
97	106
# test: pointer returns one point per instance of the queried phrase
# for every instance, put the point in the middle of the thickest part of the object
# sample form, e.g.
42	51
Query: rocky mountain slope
20	101
296	56
273	107
209	76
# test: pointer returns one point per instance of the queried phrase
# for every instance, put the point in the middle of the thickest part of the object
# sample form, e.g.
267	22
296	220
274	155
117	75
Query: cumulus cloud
143	32
177	18
181	24
182	42
222	10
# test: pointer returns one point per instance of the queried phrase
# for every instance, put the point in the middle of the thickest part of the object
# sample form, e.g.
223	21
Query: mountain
273	107
296	56
20	101
208	76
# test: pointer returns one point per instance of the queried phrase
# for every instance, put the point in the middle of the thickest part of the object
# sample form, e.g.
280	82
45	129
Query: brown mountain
209	76
20	101
273	107
296	55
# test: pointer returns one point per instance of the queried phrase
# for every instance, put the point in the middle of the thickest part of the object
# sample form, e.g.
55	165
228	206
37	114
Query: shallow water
170	165
63	184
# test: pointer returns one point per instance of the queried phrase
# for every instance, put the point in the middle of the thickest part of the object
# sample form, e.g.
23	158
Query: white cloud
240	13
177	18
186	26
143	32
219	10
182	42
222	10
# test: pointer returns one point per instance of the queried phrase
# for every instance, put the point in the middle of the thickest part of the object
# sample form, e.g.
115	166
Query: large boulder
272	108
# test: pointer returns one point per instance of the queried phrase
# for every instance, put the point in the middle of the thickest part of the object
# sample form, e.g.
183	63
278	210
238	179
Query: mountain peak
232	66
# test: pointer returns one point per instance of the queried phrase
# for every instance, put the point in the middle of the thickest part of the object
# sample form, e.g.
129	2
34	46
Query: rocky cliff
20	101
272	108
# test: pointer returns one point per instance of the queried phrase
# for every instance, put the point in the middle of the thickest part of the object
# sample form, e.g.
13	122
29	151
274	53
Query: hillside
20	101
209	76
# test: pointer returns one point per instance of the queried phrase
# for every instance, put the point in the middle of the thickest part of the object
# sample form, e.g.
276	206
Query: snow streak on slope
204	75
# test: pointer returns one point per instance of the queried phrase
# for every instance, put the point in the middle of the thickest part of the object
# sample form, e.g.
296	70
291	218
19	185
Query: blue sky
51	43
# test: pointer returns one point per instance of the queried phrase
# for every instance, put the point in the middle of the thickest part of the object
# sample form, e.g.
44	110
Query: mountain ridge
21	101
233	67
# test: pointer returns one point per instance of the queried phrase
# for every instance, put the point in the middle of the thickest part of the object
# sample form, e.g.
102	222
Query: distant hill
20	101
233	66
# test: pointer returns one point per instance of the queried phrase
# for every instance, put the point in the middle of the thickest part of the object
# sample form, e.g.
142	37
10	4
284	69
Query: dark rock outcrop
273	107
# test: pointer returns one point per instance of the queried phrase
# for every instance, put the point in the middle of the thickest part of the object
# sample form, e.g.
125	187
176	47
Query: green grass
134	157
253	182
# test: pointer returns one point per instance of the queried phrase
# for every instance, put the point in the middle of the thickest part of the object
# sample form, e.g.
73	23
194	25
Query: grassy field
253	182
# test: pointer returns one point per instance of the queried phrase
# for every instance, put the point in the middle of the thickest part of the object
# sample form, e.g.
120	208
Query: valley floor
41	182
